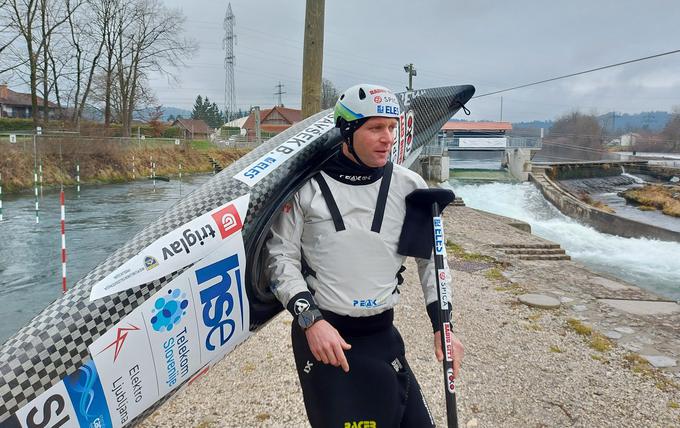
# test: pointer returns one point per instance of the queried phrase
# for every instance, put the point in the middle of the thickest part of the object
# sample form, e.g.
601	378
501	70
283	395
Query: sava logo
189	239
367	303
218	300
228	221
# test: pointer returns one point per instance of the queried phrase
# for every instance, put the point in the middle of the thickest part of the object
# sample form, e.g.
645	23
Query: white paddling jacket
338	240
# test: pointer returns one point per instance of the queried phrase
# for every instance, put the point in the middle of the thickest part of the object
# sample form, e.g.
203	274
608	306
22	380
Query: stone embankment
601	220
585	363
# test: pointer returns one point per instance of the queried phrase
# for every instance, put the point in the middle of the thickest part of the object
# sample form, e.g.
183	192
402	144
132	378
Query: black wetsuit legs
380	389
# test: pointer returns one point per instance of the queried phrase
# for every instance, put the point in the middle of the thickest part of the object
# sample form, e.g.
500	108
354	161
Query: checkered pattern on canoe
54	344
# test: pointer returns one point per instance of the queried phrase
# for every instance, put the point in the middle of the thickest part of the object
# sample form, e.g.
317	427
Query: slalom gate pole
133	167
0	196
40	172
35	189
78	177
444	316
180	186
63	240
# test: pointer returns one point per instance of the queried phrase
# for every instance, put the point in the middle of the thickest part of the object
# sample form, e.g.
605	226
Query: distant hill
653	121
167	113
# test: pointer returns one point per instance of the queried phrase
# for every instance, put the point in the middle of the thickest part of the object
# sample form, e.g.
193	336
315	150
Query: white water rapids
651	264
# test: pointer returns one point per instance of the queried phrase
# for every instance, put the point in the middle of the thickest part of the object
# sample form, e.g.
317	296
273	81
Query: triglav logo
218	301
121	335
228	221
168	311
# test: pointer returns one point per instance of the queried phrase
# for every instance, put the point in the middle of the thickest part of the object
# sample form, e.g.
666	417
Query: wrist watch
309	317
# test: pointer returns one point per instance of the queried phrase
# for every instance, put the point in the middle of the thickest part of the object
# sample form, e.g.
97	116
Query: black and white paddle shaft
434	201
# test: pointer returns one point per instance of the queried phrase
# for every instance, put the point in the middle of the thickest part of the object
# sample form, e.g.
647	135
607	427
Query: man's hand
458	352
327	345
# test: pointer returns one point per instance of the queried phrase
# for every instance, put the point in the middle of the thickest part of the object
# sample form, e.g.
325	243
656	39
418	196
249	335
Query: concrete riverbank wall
603	221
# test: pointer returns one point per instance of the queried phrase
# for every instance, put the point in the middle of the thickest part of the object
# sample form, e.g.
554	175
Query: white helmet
358	104
364	101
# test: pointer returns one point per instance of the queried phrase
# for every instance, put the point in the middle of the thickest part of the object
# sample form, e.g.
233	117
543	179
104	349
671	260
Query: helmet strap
350	146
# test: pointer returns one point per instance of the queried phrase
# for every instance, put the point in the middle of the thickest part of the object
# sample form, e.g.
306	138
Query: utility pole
501	109
258	125
411	70
312	63
229	38
279	93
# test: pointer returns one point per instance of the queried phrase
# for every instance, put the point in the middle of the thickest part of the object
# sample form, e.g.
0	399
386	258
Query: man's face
373	141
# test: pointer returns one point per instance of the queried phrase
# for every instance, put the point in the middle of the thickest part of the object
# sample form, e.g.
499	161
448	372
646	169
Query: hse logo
361	424
168	311
438	236
442	275
150	262
387	110
366	303
217	299
121	335
377	99
228	221
450	384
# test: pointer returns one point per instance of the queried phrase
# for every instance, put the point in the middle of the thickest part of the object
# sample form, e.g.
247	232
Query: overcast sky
490	44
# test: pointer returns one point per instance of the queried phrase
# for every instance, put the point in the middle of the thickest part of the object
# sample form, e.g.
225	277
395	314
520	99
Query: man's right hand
327	345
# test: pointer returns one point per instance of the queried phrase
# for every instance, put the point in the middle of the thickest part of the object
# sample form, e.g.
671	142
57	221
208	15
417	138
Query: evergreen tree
198	111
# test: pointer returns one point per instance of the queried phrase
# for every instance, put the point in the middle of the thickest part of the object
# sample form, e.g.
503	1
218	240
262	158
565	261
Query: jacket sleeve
284	255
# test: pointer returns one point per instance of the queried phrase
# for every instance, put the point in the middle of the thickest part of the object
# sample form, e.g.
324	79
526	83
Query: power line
579	73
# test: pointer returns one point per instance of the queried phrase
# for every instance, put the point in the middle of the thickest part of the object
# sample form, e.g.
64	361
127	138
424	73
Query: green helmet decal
342	111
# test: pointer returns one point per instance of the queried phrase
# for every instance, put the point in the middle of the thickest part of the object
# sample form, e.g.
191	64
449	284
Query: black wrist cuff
433	313
303	301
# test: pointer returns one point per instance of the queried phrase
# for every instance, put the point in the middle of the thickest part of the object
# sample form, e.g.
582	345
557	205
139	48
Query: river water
104	217
99	221
650	264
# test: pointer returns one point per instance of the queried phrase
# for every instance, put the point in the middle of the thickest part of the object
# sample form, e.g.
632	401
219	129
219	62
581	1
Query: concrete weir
601	220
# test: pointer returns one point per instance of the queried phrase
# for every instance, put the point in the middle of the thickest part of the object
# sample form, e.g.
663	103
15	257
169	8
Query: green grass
579	328
459	252
201	145
600	343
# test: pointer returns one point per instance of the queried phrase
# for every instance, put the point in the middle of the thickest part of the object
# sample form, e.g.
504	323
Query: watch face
306	318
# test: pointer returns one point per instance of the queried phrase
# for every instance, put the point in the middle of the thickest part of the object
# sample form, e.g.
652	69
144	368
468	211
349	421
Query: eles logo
228	221
218	299
438	236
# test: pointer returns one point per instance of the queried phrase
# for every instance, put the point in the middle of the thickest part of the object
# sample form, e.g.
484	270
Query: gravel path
523	368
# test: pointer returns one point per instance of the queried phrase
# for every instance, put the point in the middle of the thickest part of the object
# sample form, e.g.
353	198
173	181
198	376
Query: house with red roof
272	121
18	105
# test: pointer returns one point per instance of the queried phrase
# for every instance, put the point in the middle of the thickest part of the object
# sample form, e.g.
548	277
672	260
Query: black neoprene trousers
380	389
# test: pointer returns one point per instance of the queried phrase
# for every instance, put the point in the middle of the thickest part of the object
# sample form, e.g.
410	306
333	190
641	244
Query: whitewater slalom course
183	292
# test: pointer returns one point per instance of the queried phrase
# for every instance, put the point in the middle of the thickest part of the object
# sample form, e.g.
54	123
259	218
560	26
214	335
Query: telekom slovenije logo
228	221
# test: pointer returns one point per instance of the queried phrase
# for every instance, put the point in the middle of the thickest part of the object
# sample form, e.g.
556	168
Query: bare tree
329	94
87	38
149	39
36	22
